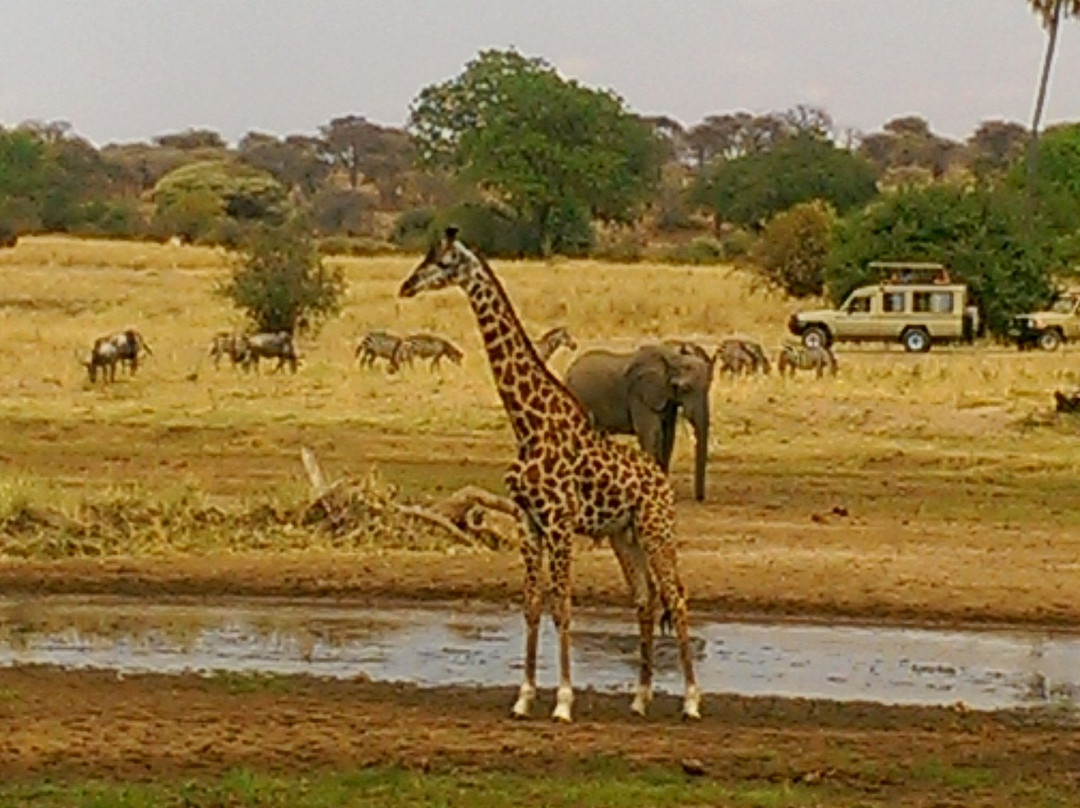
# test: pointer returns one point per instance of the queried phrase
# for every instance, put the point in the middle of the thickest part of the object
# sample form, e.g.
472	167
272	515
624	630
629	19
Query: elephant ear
647	378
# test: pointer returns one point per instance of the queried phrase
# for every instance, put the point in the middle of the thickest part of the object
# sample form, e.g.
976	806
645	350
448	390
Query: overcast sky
122	70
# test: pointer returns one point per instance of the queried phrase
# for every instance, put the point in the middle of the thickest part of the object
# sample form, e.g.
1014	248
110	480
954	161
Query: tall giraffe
568	479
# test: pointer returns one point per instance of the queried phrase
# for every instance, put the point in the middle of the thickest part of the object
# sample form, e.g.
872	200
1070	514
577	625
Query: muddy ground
75	725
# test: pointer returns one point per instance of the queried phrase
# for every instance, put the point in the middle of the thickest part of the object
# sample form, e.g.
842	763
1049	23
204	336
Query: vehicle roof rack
905	265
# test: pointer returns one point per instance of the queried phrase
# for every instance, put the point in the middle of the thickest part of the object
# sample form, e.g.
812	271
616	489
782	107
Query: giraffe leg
532	554
561	545
635	567
660	547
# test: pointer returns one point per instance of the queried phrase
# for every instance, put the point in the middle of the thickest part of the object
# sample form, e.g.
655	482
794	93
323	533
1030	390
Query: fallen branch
464	516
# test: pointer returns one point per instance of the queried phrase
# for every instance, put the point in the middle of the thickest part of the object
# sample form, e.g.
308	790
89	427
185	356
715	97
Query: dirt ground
94	724
899	537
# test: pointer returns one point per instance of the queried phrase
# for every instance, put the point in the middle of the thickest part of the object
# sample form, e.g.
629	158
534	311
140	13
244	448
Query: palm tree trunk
1040	99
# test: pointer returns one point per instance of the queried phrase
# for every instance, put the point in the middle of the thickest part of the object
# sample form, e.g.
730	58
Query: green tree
794	247
543	145
750	189
189	199
982	235
279	280
1050	13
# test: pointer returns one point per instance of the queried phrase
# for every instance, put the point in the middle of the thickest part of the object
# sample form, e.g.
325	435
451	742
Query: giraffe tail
667	622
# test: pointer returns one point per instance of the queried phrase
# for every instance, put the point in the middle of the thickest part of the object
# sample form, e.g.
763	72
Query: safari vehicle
1049	329
917	306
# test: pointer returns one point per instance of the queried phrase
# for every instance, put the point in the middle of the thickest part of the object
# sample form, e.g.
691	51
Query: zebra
553	339
426	346
798	357
231	344
377	345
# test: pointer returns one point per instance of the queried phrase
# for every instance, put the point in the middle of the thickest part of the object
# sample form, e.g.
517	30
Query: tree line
529	163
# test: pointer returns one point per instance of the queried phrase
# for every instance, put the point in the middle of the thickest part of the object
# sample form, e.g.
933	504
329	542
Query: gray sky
122	70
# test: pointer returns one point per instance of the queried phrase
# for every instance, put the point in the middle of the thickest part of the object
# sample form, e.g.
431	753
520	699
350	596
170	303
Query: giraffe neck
533	398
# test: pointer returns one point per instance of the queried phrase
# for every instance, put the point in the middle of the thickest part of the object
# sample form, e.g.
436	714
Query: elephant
641	393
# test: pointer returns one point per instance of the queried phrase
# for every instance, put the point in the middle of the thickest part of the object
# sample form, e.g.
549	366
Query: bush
414	228
701	250
983	236
793	248
355	246
280	280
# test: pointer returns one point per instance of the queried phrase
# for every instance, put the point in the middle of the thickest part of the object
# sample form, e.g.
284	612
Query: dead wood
470	516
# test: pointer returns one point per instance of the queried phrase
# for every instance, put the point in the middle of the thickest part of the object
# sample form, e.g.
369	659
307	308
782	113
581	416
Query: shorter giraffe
553	339
569	480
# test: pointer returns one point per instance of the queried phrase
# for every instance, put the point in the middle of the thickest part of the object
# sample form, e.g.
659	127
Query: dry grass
61	293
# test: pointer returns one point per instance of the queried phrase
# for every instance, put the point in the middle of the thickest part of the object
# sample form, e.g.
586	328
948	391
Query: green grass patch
377	787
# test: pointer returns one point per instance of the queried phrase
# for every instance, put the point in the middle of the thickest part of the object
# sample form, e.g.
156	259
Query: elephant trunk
699	419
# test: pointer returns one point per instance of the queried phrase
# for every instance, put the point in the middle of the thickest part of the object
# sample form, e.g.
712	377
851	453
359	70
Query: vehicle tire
1050	340
815	337
915	340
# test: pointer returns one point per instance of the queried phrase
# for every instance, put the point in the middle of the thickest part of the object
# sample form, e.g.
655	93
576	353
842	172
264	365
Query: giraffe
568	479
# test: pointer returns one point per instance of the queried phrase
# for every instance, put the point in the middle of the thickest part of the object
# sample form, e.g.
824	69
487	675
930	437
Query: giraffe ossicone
569	480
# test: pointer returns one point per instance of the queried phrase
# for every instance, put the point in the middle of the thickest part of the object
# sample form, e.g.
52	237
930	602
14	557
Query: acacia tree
1050	13
549	148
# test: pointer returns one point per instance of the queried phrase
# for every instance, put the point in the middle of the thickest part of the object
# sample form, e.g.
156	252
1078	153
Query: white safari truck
917	307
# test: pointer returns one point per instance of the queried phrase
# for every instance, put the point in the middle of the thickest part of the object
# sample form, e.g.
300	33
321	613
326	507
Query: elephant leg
668	425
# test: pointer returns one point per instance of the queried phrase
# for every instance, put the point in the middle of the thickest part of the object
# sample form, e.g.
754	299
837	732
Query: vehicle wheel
815	337
916	341
1050	340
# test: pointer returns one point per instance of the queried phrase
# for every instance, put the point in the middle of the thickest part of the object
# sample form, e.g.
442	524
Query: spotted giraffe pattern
568	479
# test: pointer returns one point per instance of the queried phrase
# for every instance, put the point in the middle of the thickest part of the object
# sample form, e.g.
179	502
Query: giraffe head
447	263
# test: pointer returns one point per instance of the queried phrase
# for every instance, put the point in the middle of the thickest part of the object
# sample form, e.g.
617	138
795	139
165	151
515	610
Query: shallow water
450	644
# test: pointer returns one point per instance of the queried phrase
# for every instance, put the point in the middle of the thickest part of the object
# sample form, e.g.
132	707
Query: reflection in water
449	645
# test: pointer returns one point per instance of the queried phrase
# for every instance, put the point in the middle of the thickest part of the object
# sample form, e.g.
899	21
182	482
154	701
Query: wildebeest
377	345
129	343
104	357
738	355
798	357
426	346
232	344
277	345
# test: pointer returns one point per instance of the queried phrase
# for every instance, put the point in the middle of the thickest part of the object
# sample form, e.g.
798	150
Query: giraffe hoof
561	716
641	701
691	710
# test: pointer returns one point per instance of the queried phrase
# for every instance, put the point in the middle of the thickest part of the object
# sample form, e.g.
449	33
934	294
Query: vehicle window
893	301
933	302
859	305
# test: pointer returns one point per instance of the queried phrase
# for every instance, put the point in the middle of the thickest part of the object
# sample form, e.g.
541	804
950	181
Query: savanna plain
934	490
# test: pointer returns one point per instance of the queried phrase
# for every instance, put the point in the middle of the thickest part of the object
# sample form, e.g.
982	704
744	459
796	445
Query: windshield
1064	305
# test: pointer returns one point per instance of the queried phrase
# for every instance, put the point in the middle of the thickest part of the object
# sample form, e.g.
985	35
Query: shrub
413	228
280	280
701	250
355	246
793	248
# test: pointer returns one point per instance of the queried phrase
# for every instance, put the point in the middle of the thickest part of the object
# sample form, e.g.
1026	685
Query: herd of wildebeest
736	355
